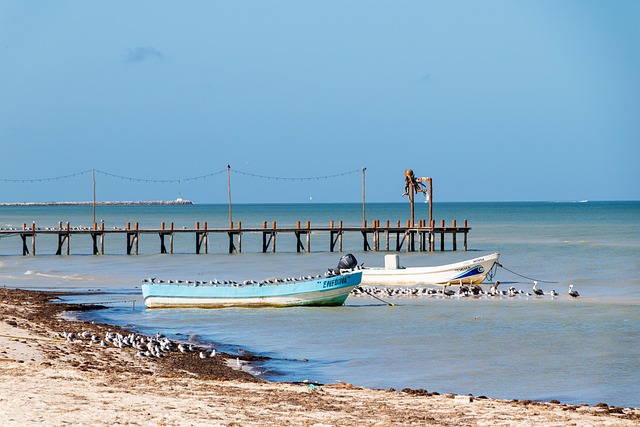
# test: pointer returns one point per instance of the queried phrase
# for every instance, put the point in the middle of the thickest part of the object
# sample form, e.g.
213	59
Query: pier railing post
453	235
386	232
171	238
466	230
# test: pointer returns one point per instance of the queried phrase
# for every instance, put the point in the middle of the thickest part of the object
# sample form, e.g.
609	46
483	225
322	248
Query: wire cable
525	277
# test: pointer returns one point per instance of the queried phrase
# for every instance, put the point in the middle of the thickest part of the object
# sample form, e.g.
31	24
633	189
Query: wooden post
102	237
453	235
466	230
386	246
230	233
94	238
430	182
33	239
365	242
171	238
376	236
432	236
364	218
68	238
409	236
163	248
205	237
273	248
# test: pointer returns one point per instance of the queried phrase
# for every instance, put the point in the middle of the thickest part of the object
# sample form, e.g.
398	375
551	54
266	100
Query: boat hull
472	271
329	291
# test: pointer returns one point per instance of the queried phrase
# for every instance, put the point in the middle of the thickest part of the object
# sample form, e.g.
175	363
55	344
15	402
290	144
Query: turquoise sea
584	350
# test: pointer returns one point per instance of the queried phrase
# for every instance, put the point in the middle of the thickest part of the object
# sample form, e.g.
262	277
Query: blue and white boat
332	289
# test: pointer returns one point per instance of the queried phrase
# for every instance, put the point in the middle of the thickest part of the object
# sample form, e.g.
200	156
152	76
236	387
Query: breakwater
104	203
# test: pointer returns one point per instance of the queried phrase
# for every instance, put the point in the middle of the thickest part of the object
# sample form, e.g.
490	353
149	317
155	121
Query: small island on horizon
177	201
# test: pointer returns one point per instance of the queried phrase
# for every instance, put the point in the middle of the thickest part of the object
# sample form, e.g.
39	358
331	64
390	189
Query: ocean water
574	350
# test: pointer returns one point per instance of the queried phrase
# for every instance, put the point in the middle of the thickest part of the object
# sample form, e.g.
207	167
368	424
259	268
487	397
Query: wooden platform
375	237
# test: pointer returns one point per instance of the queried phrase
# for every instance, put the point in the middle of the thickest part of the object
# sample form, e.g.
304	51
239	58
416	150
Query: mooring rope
525	277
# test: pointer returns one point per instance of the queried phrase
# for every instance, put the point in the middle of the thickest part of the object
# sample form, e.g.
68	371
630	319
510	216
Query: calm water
584	350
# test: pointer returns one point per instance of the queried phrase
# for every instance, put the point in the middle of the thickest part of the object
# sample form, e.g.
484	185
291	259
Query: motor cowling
347	262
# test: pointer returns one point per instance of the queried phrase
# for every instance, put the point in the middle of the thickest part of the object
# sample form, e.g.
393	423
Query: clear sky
495	100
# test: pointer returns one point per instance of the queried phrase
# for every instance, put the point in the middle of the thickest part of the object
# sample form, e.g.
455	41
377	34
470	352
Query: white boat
472	271
332	289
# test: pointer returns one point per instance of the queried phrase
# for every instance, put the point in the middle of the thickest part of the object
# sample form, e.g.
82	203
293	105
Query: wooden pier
420	237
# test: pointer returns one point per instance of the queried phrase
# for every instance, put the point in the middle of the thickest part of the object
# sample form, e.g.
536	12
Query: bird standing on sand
536	291
573	293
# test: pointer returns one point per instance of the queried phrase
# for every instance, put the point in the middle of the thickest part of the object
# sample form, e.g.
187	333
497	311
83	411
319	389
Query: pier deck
375	237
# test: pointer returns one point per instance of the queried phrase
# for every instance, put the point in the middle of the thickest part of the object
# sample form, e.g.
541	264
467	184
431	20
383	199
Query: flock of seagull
463	291
216	282
147	346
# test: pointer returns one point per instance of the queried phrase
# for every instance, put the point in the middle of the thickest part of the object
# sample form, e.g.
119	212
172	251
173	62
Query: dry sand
49	381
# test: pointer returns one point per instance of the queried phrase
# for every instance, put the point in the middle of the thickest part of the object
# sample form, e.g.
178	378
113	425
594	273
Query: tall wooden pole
364	217
93	178
411	200
430	180
229	194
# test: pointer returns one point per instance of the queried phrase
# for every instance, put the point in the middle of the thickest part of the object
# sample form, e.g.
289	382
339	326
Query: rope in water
525	277
379	299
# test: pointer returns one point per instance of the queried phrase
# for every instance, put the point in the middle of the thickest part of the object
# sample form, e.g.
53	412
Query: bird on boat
573	293
536	291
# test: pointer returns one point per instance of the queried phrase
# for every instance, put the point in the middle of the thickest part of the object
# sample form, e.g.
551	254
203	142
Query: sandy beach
50	379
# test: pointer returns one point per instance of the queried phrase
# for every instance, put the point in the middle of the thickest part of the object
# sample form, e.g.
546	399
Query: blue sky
495	100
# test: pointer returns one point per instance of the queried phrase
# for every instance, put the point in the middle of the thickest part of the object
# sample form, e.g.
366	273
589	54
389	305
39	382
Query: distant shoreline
114	203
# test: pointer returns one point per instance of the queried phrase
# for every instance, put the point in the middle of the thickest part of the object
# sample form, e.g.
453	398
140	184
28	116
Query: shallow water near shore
573	350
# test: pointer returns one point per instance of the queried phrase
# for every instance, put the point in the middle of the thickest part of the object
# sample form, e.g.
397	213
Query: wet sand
47	379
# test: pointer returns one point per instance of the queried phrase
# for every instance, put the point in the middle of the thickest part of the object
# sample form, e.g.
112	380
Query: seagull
537	292
553	293
573	293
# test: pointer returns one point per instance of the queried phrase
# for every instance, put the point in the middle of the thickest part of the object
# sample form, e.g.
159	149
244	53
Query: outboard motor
347	262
